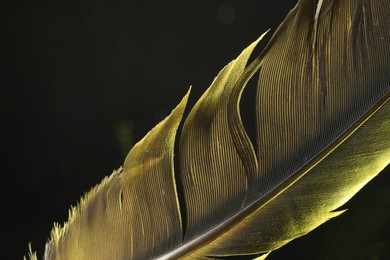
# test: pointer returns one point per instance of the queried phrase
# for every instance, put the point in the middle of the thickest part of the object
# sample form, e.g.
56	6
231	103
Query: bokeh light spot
226	14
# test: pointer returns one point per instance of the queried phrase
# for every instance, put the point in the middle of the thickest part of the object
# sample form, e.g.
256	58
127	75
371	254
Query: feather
322	132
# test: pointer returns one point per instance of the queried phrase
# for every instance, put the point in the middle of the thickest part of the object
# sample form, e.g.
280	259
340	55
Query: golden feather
322	133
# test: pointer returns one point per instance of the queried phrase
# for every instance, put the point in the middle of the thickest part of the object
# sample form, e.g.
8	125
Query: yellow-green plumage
323	128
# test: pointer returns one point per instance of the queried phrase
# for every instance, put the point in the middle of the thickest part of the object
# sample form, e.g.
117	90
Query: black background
83	81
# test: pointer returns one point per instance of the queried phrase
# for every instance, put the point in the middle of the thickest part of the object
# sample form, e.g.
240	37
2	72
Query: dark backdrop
82	81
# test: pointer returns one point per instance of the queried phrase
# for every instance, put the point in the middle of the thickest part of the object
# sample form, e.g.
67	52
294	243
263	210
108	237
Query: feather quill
322	128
